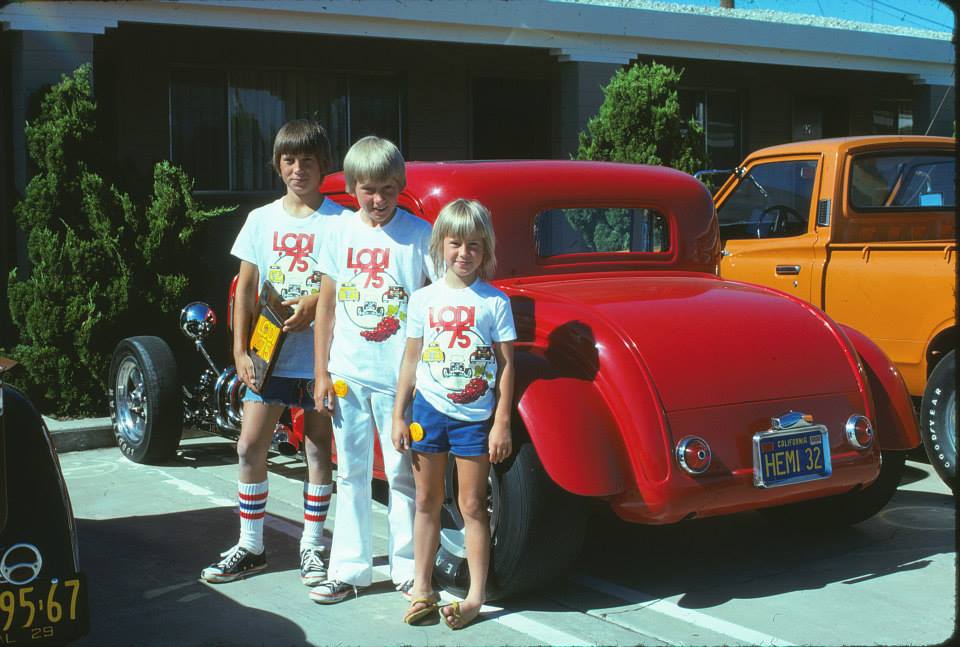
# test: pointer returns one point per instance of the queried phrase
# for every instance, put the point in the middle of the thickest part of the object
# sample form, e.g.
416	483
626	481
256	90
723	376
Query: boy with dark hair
281	242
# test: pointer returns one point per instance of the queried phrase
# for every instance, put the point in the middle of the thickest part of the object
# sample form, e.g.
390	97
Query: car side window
593	230
772	200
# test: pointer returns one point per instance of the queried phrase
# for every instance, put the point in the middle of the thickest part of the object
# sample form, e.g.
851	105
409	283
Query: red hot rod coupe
645	381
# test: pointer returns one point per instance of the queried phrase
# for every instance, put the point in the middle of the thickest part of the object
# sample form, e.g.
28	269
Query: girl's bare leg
472	475
428	472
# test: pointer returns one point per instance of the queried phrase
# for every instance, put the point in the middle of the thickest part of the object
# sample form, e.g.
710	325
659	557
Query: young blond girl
459	356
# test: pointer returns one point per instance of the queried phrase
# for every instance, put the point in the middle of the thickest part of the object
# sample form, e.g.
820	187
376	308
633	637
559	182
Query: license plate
53	610
782	457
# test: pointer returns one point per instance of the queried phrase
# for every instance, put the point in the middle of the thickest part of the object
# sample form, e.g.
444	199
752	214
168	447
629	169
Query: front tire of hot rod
537	529
938	419
145	401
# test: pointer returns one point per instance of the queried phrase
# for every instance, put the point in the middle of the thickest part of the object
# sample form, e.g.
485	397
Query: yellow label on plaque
264	338
416	431
340	388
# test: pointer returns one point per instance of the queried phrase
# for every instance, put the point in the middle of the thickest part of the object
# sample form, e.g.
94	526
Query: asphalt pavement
147	531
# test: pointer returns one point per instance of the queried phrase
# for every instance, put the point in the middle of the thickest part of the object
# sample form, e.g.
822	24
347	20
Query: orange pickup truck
864	228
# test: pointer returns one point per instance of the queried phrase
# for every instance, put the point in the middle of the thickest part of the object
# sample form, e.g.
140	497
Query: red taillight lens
859	431
693	454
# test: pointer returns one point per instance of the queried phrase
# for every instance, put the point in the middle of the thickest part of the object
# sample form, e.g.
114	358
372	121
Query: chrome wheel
131	402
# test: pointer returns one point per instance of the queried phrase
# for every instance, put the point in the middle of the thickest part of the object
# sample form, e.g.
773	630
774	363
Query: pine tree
638	122
99	266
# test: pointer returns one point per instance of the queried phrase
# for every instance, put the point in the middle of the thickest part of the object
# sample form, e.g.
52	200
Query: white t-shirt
457	371
376	270
286	250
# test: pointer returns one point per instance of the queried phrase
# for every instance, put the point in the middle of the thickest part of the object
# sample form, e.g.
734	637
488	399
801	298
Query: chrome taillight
693	454
859	431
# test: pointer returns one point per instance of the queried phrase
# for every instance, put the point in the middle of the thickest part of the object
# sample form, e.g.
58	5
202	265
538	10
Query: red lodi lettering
295	246
455	319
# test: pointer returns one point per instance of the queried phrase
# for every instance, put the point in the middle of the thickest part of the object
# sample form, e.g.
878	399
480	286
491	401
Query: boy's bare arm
406	381
501	442
324	317
244	301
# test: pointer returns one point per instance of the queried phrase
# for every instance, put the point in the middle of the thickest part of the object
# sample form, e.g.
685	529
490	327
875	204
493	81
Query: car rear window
903	180
597	230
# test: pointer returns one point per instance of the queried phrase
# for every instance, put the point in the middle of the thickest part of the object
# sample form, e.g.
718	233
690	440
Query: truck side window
900	196
595	230
771	201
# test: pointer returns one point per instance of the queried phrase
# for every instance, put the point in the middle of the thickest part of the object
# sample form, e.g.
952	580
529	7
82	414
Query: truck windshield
772	200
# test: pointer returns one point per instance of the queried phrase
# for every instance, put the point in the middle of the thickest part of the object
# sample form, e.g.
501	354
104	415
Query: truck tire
938	419
845	509
537	530
146	405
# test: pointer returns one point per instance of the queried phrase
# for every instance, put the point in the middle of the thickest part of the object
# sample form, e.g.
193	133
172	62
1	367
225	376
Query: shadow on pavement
711	561
143	571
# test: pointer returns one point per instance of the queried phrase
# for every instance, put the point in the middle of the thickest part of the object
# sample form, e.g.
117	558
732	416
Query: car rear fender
572	429
895	422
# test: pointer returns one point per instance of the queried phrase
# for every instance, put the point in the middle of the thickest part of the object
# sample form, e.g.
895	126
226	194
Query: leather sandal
414	615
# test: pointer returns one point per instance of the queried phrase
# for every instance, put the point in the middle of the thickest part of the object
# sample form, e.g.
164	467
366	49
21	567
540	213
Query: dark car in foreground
43	594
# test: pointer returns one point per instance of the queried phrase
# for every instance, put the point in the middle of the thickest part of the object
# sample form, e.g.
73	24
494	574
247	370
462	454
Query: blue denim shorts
442	434
289	391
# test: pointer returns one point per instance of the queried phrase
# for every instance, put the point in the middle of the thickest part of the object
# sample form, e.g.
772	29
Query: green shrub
639	122
100	267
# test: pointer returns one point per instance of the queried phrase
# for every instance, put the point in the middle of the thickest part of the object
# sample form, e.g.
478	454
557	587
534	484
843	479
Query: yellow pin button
416	432
340	388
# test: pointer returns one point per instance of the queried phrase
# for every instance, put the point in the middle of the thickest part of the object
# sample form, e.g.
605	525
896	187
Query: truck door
767	224
891	270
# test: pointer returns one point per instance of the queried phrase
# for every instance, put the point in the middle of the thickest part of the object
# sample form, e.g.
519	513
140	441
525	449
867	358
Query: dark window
223	122
880	182
511	118
600	229
198	128
771	201
820	116
892	117
718	112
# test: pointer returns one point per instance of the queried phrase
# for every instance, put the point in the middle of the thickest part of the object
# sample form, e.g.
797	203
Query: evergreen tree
639	122
99	266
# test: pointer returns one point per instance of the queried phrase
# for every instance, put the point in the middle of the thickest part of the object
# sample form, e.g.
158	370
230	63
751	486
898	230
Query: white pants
351	555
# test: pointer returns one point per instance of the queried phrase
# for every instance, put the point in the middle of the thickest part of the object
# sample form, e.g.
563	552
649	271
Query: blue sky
918	14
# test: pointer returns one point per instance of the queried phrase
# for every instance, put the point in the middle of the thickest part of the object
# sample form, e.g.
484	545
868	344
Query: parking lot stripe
667	608
541	633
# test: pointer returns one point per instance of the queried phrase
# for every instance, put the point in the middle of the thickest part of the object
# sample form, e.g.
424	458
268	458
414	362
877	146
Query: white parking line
687	615
541	633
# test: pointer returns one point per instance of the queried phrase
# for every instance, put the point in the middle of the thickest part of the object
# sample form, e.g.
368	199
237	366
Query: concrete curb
78	435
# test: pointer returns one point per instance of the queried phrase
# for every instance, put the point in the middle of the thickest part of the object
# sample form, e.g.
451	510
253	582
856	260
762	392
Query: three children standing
400	309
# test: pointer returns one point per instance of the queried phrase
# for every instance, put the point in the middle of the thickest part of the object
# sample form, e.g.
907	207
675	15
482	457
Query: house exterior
207	83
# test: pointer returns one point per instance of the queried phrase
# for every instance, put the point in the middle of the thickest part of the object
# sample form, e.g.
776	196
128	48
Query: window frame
880	210
812	224
345	76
